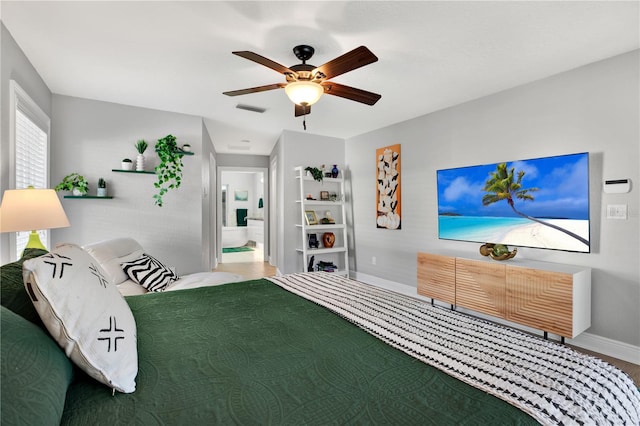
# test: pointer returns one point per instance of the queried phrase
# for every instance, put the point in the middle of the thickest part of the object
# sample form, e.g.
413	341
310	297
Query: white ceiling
176	55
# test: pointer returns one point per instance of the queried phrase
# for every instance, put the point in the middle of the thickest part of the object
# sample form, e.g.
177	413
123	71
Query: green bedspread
252	353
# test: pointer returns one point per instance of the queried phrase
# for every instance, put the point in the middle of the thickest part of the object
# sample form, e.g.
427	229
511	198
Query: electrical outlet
616	211
373	260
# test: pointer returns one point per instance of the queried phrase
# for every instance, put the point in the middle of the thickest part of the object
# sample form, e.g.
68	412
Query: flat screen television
540	203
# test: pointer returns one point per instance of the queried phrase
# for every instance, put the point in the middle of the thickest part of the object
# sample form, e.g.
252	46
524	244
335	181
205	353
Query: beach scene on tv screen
541	203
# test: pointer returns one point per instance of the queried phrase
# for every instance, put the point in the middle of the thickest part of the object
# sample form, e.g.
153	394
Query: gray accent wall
297	149
92	137
14	65
594	108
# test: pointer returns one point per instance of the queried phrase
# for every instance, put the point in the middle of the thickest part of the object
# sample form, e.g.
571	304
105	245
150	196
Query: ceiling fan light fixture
305	93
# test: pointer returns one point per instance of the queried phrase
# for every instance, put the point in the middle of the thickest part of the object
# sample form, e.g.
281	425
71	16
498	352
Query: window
30	149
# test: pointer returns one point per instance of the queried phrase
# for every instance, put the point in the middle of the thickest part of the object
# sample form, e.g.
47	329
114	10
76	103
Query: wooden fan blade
358	95
357	58
302	110
255	89
265	61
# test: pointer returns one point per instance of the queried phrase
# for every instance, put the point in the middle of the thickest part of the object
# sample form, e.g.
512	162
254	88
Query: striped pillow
149	272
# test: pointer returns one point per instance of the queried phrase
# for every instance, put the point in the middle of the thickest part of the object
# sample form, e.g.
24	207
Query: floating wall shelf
146	172
86	196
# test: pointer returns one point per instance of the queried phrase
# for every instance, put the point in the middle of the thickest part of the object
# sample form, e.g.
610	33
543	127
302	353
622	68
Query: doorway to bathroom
243	216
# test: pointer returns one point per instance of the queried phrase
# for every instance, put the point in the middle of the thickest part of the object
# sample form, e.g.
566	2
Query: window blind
31	154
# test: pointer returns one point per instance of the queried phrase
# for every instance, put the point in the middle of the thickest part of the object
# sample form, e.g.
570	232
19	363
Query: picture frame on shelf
324	195
311	218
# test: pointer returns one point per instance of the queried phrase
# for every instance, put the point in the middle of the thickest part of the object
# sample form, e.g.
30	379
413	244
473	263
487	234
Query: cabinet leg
562	340
546	336
432	303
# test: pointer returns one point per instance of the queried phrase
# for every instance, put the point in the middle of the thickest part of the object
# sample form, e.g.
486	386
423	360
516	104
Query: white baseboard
592	342
606	346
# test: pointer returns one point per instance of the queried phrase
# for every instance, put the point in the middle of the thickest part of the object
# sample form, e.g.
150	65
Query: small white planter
127	165
102	192
140	163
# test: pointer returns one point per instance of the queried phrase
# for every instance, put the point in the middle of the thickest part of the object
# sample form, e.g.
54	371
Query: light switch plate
616	211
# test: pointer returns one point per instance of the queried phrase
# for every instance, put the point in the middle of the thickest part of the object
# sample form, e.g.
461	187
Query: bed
308	348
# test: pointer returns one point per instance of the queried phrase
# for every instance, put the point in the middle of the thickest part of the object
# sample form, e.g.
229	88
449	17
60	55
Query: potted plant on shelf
141	147
75	183
102	188
315	172
127	164
169	171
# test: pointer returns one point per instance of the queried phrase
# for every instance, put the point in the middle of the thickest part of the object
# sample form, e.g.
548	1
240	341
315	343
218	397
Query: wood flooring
249	270
255	270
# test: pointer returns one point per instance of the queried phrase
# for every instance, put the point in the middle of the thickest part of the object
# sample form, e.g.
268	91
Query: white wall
14	65
91	137
209	201
593	108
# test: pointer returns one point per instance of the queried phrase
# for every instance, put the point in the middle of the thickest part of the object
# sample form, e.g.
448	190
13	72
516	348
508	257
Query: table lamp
30	210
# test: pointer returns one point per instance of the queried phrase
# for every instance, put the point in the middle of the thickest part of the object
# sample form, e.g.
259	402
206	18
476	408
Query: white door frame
265	198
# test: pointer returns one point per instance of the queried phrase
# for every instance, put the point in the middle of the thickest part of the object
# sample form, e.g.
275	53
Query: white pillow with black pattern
149	272
85	314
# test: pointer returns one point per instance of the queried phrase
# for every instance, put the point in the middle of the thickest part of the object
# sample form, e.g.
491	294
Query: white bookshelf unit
338	254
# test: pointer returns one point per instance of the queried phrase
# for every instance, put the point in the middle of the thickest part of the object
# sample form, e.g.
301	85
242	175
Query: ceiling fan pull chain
304	122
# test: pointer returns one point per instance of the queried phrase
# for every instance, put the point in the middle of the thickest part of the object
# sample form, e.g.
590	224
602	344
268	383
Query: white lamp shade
304	92
31	209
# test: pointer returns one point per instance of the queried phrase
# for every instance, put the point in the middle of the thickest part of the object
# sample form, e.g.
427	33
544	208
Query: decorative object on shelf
169	171
186	147
260	203
31	210
127	164
312	240
102	188
327	219
484	249
310	197
315	172
75	183
141	147
328	239
310	265
333	196
326	266
388	187
324	195
497	251
335	172
310	216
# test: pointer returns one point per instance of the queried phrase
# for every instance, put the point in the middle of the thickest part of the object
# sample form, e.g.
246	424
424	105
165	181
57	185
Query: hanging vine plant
169	171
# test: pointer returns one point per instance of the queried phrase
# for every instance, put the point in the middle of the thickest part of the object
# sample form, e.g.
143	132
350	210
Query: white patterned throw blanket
551	382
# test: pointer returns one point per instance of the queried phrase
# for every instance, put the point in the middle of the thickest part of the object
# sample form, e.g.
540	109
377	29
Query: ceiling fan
306	83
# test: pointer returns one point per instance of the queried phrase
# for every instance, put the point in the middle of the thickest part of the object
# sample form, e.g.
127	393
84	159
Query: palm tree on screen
502	186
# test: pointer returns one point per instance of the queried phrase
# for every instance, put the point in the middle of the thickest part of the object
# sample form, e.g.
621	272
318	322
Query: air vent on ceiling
239	147
251	108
